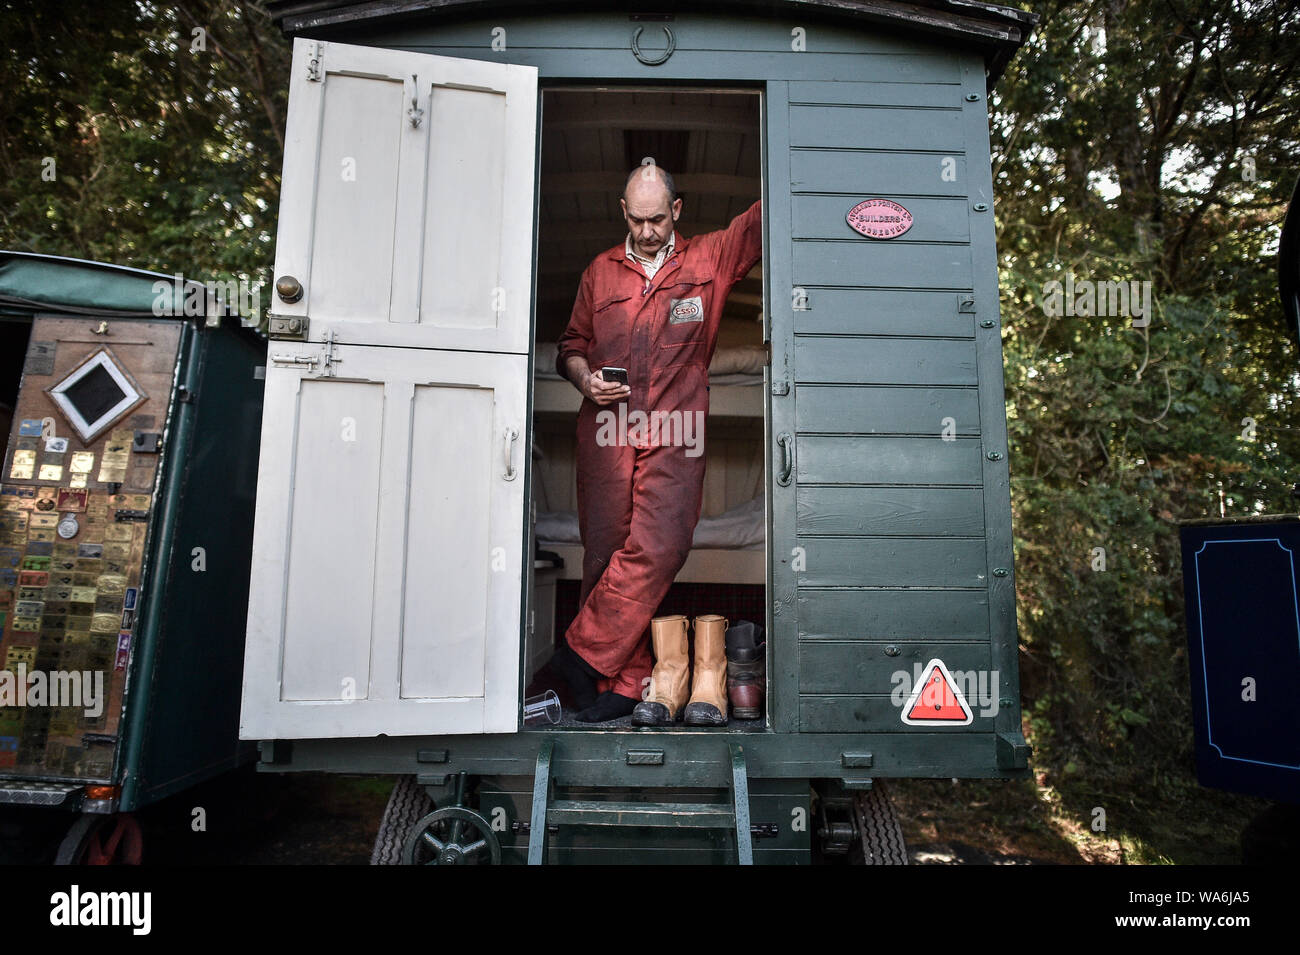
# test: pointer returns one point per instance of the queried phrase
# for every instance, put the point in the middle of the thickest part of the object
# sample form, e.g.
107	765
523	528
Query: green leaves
165	158
1115	161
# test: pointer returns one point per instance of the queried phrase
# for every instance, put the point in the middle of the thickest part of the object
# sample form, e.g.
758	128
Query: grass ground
1043	821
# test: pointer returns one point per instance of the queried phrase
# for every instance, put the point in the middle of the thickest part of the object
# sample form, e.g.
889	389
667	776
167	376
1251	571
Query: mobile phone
616	375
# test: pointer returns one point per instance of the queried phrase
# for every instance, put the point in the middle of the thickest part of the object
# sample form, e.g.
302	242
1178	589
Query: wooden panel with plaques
76	497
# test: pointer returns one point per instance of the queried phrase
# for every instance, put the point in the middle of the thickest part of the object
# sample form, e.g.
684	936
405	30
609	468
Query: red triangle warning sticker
936	699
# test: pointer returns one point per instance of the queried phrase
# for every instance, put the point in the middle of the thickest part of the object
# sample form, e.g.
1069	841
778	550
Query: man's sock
608	706
579	674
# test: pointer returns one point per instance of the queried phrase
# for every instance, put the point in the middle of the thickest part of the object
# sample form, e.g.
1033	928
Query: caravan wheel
102	840
452	836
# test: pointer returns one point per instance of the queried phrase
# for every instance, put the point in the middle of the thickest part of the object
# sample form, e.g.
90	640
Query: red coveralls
639	499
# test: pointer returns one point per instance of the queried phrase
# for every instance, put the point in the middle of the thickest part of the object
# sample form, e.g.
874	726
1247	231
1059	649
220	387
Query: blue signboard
1243	640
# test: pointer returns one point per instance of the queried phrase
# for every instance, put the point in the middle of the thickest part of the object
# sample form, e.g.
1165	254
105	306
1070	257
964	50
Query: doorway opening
710	141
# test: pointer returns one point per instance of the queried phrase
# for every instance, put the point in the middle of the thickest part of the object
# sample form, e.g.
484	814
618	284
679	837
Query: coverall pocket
611	332
683	335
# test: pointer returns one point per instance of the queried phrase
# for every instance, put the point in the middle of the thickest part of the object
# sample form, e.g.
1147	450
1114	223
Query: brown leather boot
708	703
670	680
746	669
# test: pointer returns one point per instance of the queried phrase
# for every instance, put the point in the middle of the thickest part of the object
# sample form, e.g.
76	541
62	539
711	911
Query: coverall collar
662	256
680	242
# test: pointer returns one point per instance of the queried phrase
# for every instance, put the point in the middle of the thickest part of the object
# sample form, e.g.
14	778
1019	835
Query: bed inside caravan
709	140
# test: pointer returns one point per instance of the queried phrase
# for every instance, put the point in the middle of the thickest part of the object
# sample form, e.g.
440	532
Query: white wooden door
389	537
406	204
387	552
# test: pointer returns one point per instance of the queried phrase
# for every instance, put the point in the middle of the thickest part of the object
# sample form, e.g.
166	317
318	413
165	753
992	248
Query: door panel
355	200
463	240
335	473
407	198
387	572
443	590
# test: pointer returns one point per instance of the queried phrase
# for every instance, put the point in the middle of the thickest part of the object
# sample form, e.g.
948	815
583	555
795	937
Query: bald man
651	305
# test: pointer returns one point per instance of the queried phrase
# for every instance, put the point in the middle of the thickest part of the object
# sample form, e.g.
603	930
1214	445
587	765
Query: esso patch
685	310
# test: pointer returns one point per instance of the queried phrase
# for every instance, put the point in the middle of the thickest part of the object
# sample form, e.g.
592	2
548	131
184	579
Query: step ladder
669	815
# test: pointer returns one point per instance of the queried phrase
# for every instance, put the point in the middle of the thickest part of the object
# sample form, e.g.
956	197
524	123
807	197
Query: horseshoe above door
648	61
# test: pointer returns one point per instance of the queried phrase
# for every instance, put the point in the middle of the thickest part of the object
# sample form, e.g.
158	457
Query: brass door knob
288	288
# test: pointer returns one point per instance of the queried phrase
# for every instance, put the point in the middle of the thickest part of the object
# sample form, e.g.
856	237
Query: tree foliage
1152	140
143	134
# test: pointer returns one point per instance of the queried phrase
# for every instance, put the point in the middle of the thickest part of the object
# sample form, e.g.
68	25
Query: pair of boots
670	682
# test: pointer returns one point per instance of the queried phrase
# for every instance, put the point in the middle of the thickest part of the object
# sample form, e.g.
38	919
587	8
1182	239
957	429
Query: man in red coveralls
651	304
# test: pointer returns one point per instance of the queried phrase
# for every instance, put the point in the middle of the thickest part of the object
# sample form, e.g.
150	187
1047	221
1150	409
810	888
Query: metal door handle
415	113
288	288
511	435
786	443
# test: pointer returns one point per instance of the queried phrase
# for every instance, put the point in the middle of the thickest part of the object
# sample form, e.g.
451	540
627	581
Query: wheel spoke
432	840
119	828
95	854
474	847
456	827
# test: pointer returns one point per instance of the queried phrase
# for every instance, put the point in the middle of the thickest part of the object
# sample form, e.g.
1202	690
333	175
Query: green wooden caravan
451	167
130	405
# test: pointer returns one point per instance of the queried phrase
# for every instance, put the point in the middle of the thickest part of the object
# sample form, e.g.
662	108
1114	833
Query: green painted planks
852	614
887	264
864	409
579	33
920	95
871	460
866	668
884	361
899	511
892	562
849	714
908	312
888	175
865	127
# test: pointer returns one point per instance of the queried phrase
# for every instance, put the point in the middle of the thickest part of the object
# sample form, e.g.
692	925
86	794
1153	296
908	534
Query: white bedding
733	365
740	528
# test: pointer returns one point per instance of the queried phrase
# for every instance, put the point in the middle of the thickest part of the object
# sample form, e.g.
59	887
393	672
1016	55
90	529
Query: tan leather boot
708	703
670	680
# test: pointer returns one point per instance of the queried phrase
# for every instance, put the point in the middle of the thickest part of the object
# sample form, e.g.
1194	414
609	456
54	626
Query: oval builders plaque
879	219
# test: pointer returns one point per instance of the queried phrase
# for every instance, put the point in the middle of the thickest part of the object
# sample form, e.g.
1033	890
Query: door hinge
316	54
780	386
